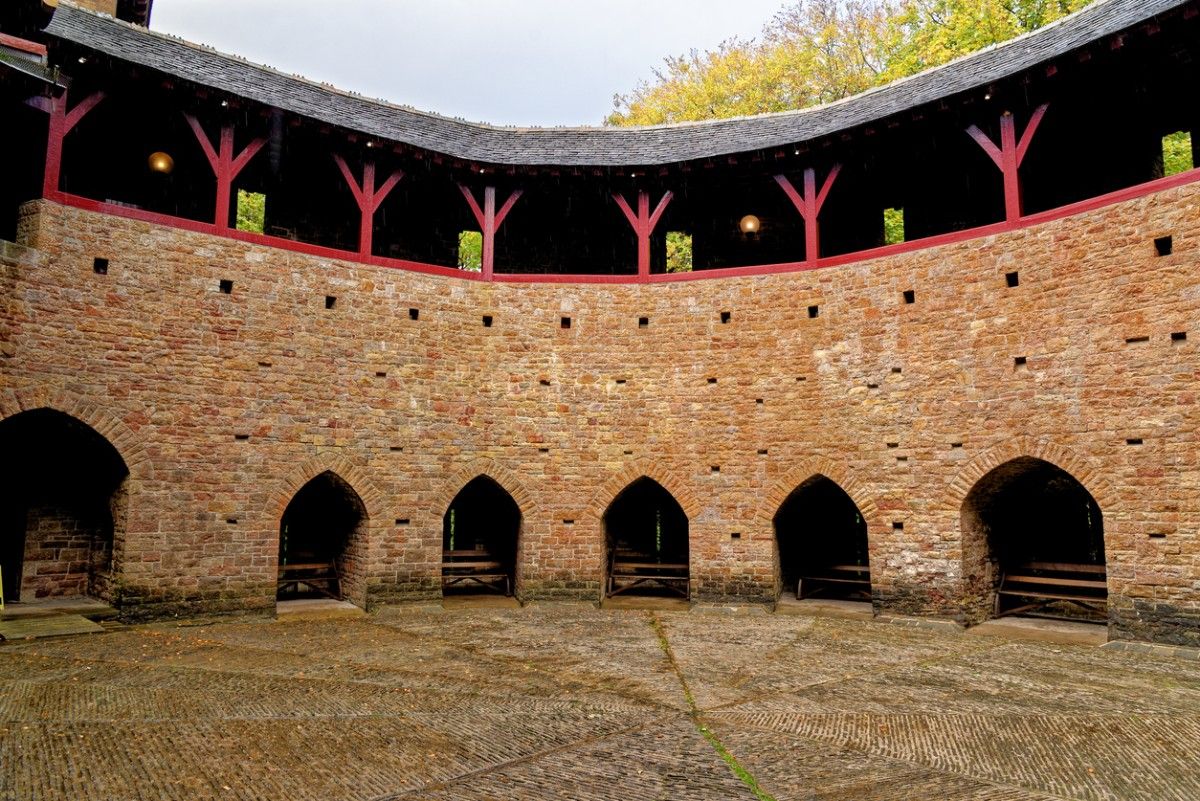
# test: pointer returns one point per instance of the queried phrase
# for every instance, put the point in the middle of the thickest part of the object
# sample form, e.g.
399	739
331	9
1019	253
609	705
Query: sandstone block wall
223	405
61	551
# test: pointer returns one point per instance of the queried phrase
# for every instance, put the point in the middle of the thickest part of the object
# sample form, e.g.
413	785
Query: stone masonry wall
229	403
61	551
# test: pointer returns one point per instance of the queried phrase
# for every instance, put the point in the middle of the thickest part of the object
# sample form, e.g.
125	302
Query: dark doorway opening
480	534
62	500
1042	536
646	534
322	538
822	540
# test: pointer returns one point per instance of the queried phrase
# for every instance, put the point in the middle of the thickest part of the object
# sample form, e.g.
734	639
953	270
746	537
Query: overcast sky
511	62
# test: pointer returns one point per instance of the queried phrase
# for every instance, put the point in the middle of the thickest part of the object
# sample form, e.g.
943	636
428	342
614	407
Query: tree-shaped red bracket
489	221
224	164
1009	155
644	222
369	198
61	123
809	205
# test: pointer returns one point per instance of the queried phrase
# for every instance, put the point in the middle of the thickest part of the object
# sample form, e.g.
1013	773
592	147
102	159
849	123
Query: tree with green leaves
819	51
251	211
470	251
927	33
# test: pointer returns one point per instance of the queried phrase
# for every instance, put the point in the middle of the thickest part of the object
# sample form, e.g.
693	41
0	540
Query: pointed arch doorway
822	539
322	541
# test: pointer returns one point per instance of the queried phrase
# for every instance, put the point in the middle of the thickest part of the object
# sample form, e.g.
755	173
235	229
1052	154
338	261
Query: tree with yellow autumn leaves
819	51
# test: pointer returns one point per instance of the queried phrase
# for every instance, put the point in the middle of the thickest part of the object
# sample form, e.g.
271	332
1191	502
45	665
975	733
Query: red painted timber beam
489	221
1009	155
224	164
61	123
369	198
809	205
644	222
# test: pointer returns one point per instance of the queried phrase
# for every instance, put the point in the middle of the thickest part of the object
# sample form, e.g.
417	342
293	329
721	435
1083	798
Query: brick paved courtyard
573	703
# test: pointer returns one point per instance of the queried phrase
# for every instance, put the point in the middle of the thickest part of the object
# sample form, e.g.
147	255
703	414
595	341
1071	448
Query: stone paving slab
668	760
571	702
29	628
798	769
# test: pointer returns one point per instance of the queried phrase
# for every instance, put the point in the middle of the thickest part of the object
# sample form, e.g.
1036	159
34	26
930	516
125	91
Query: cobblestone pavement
568	702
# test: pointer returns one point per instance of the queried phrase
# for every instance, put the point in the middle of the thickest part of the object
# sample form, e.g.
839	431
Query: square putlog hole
1012	279
1020	362
643	322
487	321
330	301
226	286
564	322
100	266
414	314
910	296
1164	245
813	311
726	317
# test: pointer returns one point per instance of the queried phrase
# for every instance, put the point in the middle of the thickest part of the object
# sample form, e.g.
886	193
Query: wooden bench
630	569
321	577
1040	584
478	566
856	579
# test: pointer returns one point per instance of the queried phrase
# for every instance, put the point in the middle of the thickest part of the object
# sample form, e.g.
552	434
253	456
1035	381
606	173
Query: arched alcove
62	503
481	532
822	539
646	536
1033	537
322	540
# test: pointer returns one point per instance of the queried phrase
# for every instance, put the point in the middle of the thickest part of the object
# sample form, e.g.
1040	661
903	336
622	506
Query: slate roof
29	67
591	146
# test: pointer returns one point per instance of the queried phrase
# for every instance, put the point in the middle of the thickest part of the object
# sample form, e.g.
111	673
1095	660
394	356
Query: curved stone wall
391	380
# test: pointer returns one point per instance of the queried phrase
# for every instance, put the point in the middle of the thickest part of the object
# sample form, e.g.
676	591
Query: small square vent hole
1164	245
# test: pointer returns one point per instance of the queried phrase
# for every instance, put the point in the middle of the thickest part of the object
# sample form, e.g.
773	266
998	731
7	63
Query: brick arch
356	556
352	473
809	468
631	472
979	572
507	480
120	437
1080	467
92	413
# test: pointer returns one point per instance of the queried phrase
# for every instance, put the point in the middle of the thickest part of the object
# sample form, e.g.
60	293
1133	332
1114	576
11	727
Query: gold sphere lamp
161	162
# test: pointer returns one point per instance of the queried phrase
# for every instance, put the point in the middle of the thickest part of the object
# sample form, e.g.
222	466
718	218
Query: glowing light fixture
750	224
161	162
